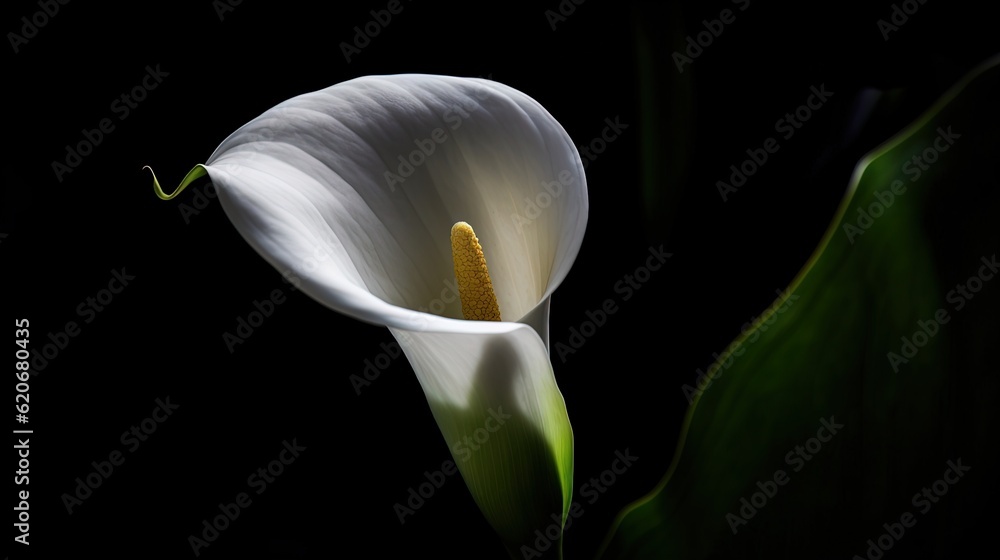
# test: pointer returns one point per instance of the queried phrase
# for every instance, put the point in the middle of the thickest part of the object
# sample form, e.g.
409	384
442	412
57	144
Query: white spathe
351	192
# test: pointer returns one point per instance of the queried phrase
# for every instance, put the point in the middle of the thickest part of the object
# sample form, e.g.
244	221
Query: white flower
352	192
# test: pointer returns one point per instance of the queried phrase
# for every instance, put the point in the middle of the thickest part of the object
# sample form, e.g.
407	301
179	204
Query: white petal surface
306	185
496	402
351	192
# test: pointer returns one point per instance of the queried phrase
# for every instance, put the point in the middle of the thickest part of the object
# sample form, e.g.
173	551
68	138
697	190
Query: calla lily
352	192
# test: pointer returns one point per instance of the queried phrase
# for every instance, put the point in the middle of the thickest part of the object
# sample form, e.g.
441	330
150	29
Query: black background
194	275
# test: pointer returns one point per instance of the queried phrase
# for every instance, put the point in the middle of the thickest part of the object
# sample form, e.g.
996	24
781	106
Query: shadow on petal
504	456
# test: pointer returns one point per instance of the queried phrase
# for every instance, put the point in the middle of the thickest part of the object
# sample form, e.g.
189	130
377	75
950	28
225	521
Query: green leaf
888	270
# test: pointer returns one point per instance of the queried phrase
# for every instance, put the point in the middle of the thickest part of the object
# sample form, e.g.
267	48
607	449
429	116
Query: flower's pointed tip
197	172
